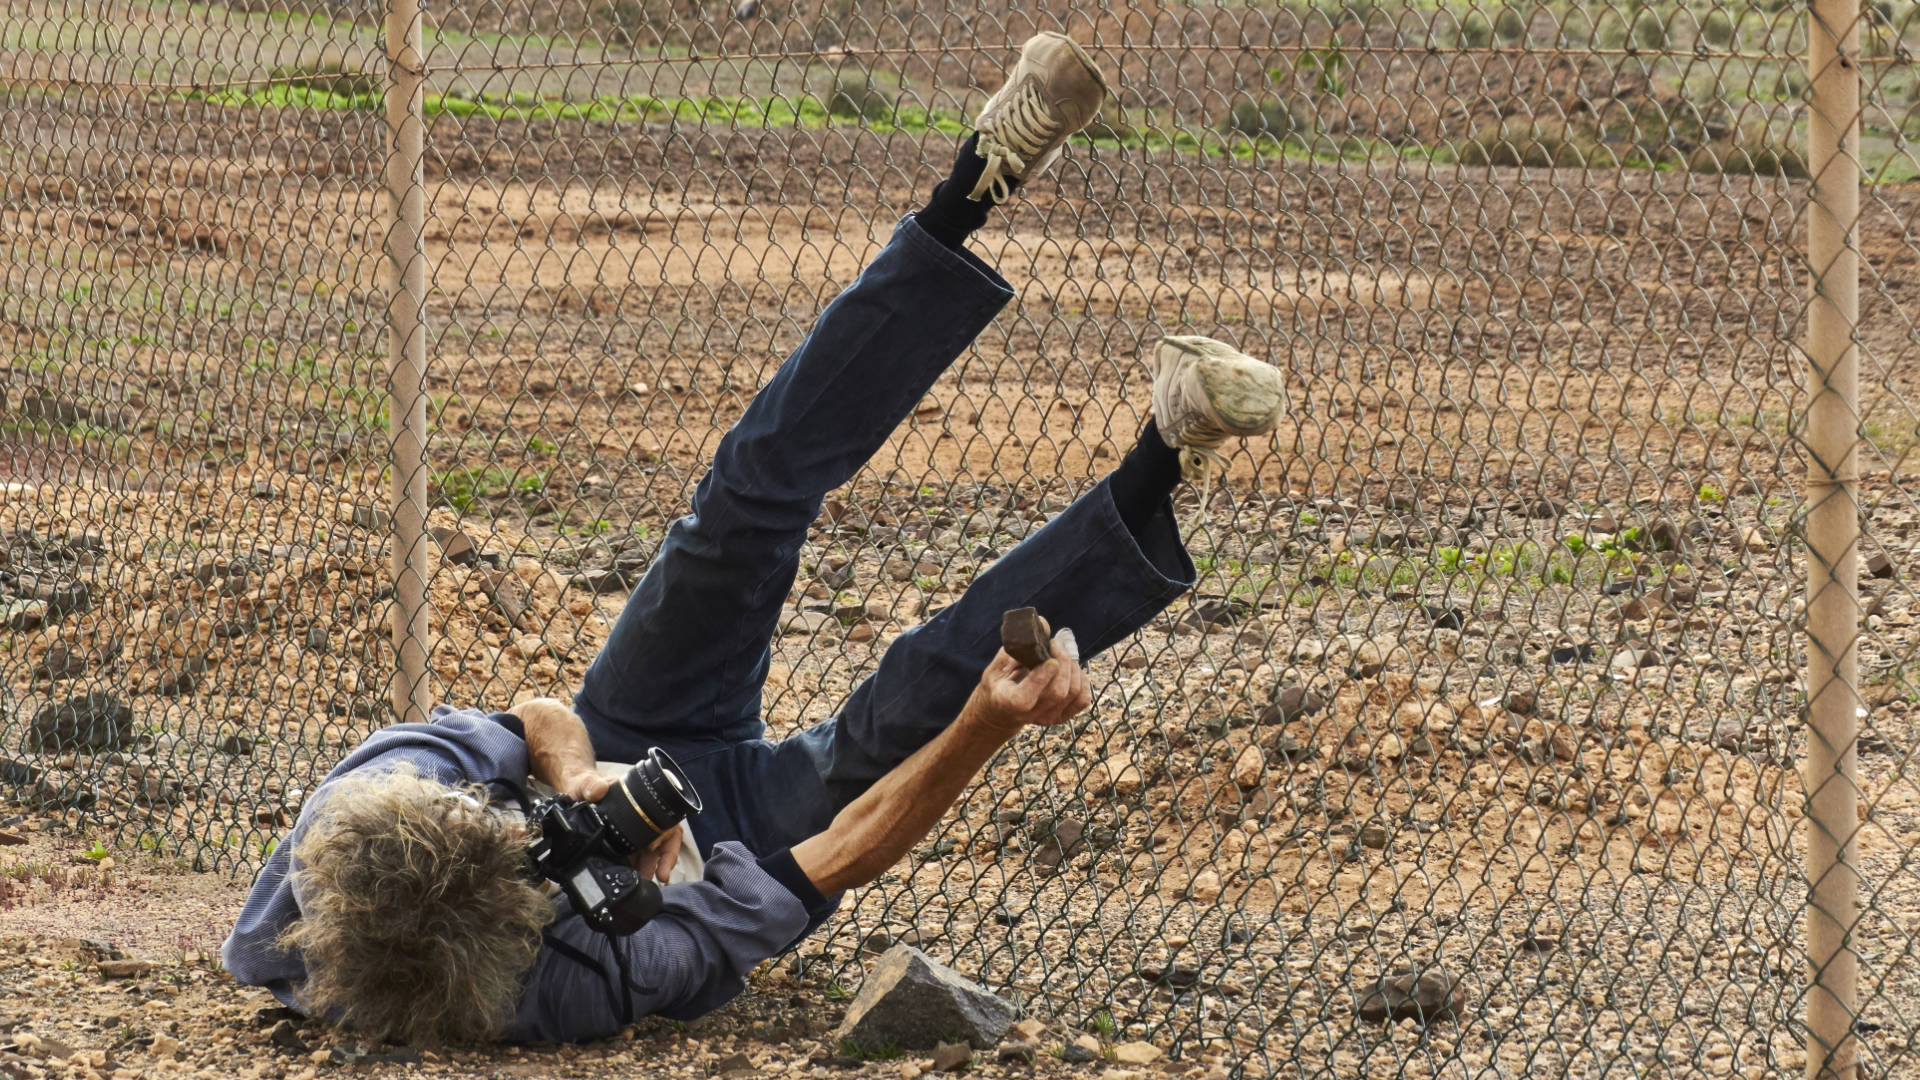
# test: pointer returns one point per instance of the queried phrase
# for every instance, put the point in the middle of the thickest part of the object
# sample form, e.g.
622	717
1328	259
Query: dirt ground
1492	666
110	969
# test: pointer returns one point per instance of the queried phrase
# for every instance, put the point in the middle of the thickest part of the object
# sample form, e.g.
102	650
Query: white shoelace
1198	464
1016	134
1199	460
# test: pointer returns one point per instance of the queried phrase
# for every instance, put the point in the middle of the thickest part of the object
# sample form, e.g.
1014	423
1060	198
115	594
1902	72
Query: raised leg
1103	568
688	654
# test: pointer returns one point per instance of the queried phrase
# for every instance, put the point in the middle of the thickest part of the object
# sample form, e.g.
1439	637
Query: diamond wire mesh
193	382
1494	668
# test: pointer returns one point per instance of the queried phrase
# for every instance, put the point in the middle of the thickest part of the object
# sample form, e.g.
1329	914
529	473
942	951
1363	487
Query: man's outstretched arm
879	828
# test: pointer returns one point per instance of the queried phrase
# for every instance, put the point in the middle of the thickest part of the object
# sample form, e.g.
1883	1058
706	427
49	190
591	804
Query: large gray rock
1423	997
95	721
911	1002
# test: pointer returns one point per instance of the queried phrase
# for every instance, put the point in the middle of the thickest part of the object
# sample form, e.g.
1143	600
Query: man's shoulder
471	744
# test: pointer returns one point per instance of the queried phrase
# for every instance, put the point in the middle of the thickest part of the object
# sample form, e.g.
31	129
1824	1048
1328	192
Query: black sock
1146	476
949	215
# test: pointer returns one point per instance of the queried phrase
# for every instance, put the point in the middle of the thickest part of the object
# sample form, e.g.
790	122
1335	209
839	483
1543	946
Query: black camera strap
622	1000
622	990
506	791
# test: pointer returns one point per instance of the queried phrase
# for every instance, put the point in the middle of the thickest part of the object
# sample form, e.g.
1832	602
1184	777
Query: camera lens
654	796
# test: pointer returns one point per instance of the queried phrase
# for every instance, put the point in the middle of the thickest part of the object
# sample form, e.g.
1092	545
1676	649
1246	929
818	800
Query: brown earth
110	968
1487	363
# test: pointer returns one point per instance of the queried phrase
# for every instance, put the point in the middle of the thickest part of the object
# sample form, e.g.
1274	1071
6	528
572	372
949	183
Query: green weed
1717	29
329	74
1326	69
1536	142
1510	26
463	488
1268	120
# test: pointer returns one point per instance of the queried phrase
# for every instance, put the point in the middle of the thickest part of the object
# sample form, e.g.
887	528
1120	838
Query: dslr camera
583	847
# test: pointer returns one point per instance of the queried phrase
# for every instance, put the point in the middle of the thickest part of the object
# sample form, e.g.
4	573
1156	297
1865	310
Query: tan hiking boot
1206	392
1054	91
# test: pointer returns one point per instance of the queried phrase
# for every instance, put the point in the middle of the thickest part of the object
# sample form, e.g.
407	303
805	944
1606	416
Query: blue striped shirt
687	962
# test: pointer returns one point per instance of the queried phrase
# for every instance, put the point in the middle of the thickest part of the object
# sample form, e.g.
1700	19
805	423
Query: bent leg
686	659
1086	570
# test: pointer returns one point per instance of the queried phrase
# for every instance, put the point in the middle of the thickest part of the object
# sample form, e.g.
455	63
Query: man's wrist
537	712
988	721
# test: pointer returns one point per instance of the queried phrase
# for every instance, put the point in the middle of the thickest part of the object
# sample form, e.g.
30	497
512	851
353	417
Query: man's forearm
557	742
876	830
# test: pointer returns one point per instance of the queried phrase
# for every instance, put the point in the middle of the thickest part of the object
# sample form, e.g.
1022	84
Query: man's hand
1011	696
582	785
657	860
877	829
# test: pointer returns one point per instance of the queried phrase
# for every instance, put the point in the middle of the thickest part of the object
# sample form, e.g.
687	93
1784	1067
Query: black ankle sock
1146	476
949	215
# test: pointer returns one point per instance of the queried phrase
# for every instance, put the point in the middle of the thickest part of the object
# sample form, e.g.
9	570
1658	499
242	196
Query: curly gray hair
416	920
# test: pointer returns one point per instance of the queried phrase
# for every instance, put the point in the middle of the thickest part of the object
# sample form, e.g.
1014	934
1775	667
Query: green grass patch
1241	578
1356	569
464	488
809	113
871	1051
1891	437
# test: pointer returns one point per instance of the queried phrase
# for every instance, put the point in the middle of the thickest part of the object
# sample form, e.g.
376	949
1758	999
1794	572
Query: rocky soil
109	968
1492	673
1550	794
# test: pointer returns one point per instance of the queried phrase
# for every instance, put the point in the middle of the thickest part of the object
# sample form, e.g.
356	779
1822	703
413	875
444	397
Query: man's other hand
658	860
1011	696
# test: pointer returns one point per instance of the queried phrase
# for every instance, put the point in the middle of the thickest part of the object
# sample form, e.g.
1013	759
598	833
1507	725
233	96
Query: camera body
584	847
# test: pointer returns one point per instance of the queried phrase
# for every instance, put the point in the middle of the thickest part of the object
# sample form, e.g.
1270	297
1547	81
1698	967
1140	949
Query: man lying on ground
400	903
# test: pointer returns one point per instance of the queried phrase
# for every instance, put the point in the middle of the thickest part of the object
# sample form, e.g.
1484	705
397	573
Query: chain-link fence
1497	676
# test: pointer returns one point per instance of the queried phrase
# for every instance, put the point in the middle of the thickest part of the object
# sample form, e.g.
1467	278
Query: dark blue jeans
684	666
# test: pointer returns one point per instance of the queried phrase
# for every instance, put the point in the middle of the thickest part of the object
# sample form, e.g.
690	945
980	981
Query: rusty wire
1496	665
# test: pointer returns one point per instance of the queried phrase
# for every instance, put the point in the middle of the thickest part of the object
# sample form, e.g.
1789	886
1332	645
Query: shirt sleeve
511	723
781	867
690	960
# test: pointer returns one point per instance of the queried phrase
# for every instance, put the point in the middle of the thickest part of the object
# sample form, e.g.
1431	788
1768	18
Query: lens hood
653	797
